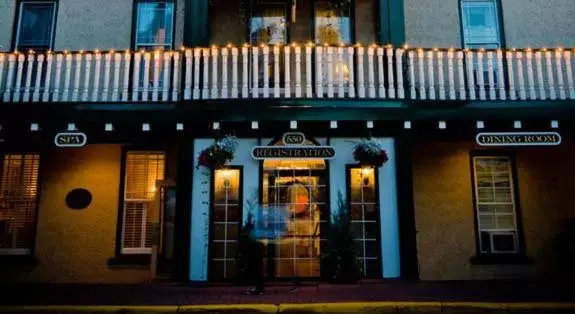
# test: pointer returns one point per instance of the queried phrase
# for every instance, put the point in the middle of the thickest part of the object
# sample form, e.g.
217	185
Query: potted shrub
340	256
218	154
370	153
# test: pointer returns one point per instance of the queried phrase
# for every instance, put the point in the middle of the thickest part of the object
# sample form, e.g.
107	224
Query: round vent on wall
78	199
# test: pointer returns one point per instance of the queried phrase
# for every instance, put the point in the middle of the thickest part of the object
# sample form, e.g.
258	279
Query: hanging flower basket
370	153
217	155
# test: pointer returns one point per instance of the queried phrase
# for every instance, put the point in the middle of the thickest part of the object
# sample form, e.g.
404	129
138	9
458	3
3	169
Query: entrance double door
299	197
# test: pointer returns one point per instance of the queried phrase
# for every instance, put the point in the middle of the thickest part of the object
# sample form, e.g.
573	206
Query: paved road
170	294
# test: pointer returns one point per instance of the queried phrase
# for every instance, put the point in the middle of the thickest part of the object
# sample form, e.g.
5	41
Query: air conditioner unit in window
503	242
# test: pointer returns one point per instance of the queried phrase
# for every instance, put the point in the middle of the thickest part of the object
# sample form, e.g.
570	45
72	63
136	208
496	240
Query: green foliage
340	257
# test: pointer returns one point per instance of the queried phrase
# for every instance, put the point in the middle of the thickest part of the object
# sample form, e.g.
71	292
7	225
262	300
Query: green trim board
391	24
196	23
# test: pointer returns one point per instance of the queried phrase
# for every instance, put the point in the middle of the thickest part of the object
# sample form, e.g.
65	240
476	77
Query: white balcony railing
300	72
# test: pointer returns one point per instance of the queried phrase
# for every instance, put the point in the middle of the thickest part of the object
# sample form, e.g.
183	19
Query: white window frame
20	14
496	231
143	249
488	44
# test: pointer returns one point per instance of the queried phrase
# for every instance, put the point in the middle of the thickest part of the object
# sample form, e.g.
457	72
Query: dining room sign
519	139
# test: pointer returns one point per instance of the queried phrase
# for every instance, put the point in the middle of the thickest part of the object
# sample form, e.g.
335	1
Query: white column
298	84
451	74
431	74
77	76
38	83
440	77
235	90
421	72
225	81
176	77
166	79
319	72
370	73
117	68
47	86
411	65
480	76
28	79
287	71
530	77
126	83
87	74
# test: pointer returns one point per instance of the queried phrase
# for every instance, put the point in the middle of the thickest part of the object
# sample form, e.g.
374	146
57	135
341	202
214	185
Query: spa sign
293	148
70	139
519	139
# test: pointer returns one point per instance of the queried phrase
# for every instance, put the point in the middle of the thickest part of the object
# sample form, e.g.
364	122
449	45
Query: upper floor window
36	24
154	25
18	203
268	22
480	21
332	22
495	205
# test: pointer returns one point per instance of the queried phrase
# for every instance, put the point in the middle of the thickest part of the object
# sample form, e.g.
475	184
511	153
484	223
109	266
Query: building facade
107	106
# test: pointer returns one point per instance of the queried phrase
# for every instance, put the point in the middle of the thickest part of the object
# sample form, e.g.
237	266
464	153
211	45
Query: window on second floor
480	21
154	25
332	22
268	23
36	24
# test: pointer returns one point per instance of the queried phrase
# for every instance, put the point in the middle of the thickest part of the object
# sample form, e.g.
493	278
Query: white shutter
142	170
495	202
18	203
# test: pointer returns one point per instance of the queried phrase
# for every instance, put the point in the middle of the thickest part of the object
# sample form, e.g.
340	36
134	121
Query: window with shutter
18	203
142	170
495	205
364	210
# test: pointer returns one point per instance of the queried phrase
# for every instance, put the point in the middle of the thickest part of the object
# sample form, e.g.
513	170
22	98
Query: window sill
18	261
500	259
140	261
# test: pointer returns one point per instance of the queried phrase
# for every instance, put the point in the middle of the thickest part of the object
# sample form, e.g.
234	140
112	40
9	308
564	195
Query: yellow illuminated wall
445	215
75	245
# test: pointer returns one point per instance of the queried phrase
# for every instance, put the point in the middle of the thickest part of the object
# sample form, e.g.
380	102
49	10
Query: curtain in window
268	24
142	171
154	25
18	202
36	24
332	23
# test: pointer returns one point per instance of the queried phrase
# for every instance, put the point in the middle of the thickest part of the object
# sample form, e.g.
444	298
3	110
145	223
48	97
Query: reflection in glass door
302	195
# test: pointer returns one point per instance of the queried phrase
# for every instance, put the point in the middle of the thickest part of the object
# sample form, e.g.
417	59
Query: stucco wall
88	25
539	23
75	245
7	11
526	23
444	209
432	23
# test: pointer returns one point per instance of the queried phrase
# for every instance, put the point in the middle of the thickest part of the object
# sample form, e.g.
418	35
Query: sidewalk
381	297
